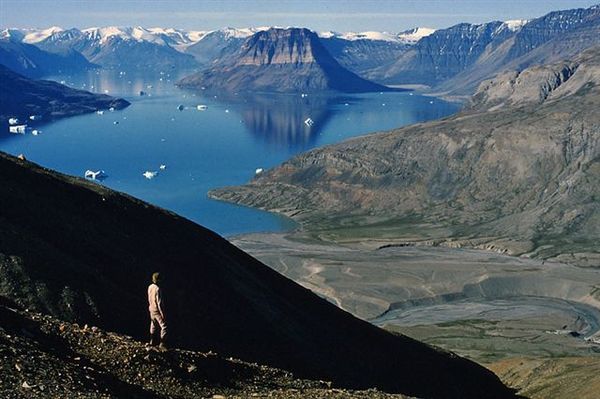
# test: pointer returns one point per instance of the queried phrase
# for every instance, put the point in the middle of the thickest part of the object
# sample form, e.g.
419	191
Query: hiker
158	322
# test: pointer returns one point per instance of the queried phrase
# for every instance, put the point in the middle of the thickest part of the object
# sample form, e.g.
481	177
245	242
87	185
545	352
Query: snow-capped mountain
123	47
158	47
410	36
35	36
29	60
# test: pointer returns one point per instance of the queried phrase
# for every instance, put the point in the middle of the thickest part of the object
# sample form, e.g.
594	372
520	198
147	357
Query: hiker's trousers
157	323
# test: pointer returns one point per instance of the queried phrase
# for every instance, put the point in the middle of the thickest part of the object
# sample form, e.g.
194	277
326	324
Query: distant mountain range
125	47
280	60
453	60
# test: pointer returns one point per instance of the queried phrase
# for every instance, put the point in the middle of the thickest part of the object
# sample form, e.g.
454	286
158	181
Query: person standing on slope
158	322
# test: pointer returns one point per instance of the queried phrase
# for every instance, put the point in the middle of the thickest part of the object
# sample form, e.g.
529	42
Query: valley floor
515	315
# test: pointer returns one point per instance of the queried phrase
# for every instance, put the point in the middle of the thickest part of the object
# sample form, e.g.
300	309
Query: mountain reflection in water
280	120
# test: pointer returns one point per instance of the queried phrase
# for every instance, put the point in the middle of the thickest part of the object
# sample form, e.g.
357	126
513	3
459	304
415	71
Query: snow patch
515	24
412	36
36	36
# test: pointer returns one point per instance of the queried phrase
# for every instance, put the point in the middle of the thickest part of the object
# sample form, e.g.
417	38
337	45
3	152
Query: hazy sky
339	15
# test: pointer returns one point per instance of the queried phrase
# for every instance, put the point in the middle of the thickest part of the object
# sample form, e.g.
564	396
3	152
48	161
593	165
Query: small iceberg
17	129
115	122
201	107
112	109
180	107
35	132
162	167
303	95
97	175
100	112
309	122
149	174
13	121
35	117
258	171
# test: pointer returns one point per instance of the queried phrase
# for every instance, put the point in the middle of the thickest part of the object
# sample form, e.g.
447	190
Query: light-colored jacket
155	300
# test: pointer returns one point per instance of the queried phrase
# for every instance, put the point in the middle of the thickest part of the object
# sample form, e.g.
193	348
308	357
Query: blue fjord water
220	146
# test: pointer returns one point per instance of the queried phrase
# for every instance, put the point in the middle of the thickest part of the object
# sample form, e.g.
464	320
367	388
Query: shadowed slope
82	252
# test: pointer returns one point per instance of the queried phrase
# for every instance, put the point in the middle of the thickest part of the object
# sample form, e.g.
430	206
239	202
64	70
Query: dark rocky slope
83	253
519	172
21	97
44	357
280	60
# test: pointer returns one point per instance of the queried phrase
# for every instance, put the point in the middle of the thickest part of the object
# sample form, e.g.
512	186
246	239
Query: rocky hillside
519	179
83	253
280	60
540	84
45	357
22	97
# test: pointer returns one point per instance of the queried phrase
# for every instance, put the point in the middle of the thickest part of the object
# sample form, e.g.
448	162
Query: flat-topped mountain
22	97
81	252
280	60
519	172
